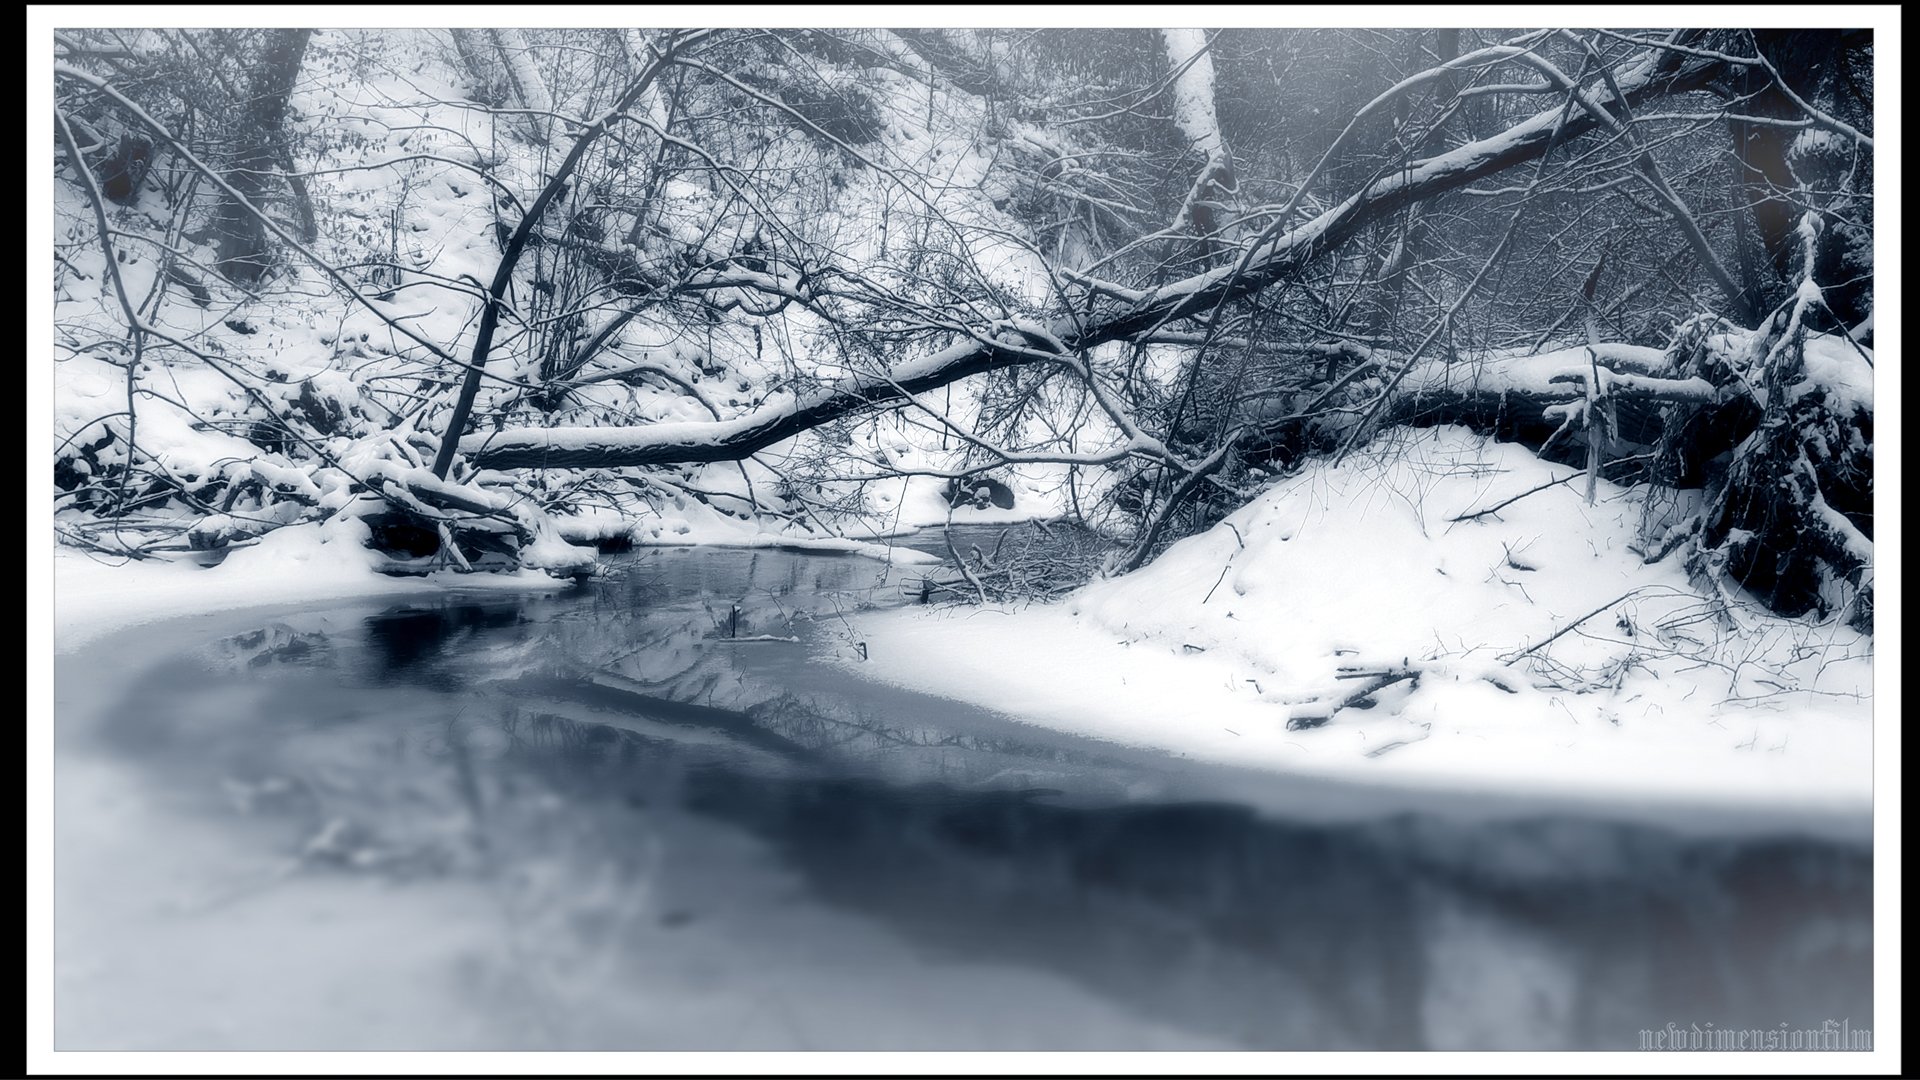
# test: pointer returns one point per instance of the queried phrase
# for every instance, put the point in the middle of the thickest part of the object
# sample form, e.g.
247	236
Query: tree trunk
259	135
1763	161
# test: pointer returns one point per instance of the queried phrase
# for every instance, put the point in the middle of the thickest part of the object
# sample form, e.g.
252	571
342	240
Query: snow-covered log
1526	396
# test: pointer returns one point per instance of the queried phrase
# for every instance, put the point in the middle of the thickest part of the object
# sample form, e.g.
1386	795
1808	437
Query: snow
1842	370
89	389
1813	141
1549	373
1856	542
1193	90
1653	707
95	595
920	502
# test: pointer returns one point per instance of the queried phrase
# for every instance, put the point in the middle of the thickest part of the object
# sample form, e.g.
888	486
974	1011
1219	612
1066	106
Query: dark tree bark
122	173
1416	242
260	140
1809	61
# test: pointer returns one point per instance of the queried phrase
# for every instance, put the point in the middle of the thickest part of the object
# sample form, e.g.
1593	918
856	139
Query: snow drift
1415	616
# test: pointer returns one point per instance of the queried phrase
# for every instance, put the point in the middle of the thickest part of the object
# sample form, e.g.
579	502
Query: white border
42	1060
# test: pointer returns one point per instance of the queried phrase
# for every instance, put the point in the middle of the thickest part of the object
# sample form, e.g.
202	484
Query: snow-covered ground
1551	660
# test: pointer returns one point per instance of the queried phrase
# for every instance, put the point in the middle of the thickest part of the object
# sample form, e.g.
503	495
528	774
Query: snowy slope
1550	658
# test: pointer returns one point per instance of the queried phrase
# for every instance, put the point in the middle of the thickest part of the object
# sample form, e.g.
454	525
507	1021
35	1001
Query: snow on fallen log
732	439
458	512
1559	375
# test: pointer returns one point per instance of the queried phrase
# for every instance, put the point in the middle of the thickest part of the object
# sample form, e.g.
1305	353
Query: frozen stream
584	822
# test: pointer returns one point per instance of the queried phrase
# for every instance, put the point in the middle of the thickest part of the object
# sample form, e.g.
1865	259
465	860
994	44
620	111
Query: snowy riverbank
1540	654
95	594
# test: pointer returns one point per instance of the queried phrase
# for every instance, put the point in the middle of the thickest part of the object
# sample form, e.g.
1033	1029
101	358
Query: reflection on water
587	822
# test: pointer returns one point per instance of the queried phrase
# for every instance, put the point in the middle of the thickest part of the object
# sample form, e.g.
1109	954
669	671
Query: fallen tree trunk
1116	315
1526	398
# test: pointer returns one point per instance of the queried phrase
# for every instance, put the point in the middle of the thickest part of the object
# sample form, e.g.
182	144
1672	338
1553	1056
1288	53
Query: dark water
584	822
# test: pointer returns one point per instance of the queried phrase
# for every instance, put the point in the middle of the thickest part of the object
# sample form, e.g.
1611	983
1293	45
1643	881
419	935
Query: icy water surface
585	821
